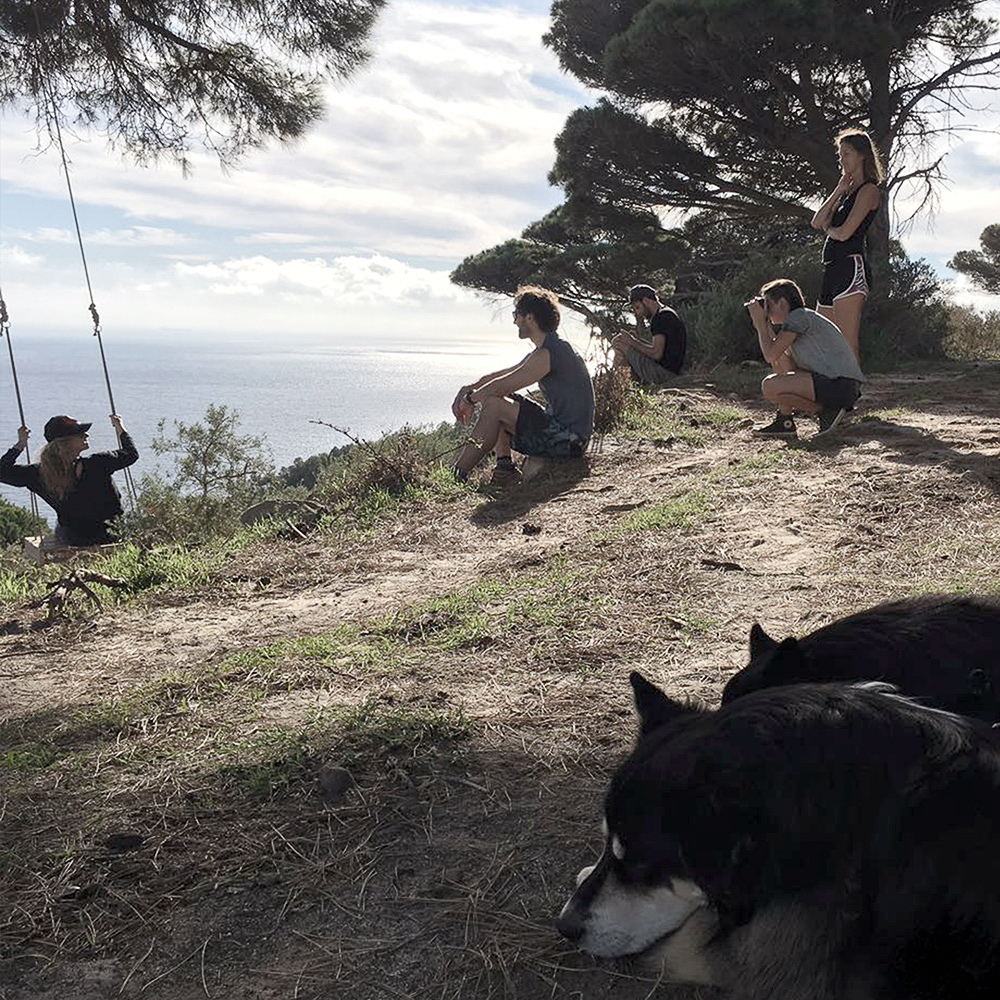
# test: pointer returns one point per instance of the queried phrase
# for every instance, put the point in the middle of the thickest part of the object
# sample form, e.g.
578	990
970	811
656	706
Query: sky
437	149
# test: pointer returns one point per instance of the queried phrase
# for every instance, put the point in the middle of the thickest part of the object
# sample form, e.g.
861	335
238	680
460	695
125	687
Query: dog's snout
569	923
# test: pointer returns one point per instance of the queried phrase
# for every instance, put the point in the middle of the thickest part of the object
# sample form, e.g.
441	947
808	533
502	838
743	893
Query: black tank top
839	249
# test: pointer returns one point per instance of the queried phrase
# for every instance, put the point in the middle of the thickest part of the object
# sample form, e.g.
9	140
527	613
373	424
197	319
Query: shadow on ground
553	478
436	871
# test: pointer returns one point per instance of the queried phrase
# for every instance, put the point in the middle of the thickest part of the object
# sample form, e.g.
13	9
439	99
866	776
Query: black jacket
92	501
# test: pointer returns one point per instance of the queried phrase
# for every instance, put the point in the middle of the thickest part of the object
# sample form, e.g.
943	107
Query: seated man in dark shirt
80	490
657	360
508	420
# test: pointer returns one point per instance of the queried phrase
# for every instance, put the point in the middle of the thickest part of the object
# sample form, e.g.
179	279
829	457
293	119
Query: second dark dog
942	650
812	842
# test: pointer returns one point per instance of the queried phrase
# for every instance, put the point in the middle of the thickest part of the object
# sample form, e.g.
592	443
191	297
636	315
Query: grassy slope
174	823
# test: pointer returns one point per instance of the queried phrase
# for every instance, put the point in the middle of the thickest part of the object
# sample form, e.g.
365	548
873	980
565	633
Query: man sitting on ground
508	420
658	359
815	370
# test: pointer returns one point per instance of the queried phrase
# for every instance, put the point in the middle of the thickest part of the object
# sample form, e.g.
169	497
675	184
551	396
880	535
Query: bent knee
774	387
494	404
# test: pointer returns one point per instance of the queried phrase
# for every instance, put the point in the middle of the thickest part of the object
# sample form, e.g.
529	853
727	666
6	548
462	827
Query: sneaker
830	418
506	476
782	426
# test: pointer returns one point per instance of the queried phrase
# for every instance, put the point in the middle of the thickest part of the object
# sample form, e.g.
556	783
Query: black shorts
836	393
847	276
539	433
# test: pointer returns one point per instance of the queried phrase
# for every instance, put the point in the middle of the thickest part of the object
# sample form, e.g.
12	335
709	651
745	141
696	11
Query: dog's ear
760	642
786	665
653	706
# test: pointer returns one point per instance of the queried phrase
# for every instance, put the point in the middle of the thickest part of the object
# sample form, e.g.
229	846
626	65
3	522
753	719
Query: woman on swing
80	490
845	217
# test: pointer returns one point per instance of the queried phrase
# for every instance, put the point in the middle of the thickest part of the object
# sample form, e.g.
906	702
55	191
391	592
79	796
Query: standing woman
80	490
845	217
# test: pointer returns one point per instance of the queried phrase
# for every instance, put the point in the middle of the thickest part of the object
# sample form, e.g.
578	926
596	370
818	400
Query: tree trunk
880	129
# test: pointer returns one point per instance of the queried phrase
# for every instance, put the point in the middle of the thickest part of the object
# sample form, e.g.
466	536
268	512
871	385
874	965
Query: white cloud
12	256
259	295
968	201
44	235
133	236
138	236
966	293
438	148
277	238
351	280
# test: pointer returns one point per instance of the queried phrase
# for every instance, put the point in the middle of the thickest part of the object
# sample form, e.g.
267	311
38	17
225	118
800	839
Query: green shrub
906	318
17	522
719	328
972	335
407	459
307	472
218	472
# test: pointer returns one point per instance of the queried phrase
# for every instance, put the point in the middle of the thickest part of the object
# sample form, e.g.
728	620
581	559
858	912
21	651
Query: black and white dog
811	842
944	651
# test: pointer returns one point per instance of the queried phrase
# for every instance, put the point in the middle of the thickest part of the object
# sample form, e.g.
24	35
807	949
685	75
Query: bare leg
847	316
791	391
494	428
827	312
502	447
788	403
845	313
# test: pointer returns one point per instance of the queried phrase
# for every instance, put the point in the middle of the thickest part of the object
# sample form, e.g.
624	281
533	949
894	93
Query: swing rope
5	332
94	315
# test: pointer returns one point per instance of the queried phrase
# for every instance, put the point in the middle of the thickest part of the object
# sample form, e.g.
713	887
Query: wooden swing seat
43	549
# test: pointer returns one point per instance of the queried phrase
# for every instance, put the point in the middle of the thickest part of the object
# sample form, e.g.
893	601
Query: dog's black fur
944	651
842	840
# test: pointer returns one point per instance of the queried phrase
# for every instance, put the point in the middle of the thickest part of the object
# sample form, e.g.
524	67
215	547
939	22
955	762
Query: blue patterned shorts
539	433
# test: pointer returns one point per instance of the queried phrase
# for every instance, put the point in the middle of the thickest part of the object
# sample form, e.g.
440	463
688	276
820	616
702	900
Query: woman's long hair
860	141
56	466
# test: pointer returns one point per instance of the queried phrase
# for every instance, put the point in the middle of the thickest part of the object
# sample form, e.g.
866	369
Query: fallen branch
77	579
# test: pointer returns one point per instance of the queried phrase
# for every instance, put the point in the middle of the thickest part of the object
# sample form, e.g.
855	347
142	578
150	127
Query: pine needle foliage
163	77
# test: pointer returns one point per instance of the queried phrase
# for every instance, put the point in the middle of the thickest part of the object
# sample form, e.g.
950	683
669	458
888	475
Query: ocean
278	388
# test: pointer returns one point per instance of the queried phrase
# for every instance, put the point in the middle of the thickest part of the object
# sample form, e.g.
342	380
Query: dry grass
614	391
169	826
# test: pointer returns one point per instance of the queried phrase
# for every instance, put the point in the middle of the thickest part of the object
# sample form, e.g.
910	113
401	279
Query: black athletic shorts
847	276
836	393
